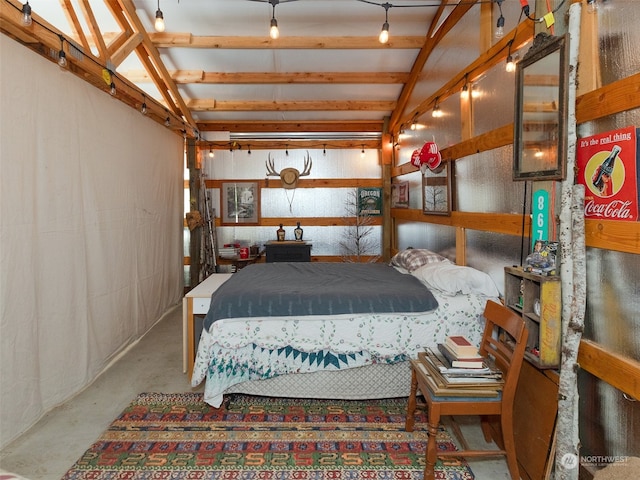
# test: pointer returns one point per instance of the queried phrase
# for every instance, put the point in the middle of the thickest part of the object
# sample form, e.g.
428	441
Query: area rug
178	436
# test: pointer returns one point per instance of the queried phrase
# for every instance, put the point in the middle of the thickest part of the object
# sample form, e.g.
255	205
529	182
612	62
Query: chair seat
499	321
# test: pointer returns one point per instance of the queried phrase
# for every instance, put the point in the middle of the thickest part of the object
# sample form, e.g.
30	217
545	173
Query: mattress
311	289
234	351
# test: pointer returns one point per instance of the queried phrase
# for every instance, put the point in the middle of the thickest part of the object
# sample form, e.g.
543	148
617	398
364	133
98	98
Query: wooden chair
508	353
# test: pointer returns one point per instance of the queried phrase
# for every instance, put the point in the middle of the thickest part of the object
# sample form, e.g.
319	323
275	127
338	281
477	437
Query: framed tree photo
400	195
436	191
240	203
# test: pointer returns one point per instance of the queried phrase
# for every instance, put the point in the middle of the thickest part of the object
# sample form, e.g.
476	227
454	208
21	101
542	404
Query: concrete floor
154	364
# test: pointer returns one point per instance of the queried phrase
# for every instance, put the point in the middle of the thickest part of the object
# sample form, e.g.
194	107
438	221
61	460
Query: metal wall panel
484	183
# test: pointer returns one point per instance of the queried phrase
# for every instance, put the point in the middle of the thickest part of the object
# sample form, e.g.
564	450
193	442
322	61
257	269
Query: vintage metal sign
608	168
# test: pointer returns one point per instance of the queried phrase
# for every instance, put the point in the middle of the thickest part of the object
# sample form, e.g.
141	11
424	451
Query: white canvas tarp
91	215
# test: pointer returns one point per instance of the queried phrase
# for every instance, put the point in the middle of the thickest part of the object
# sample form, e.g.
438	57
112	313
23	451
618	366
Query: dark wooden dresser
288	251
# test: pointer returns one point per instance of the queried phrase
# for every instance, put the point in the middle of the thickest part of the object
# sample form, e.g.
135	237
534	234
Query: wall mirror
541	111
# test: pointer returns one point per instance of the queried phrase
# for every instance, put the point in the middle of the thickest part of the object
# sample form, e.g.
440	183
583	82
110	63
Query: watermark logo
569	461
603	460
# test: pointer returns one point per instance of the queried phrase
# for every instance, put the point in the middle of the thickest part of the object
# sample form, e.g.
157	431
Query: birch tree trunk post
568	438
573	278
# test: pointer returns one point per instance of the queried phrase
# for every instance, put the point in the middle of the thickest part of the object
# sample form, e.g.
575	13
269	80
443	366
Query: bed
334	330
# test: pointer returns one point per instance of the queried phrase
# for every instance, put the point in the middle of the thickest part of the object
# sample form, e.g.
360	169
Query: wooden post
573	278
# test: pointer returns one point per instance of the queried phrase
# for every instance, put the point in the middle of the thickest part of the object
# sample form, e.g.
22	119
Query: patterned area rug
178	436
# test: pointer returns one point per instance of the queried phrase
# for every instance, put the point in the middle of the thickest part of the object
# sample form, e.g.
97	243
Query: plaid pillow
413	258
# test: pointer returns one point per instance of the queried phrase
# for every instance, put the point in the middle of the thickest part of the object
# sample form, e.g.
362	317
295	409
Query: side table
196	302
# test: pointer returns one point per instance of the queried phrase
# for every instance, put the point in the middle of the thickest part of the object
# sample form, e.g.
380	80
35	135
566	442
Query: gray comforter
302	289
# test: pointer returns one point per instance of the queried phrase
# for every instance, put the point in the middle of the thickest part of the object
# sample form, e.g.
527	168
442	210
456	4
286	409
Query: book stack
228	252
473	376
459	352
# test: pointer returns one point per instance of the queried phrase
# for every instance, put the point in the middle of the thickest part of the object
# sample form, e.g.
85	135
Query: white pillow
453	279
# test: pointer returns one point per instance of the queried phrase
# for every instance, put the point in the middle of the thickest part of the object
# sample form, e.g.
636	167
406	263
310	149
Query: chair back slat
504	340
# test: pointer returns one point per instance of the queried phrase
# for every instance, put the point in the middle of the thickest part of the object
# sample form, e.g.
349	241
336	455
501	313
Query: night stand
288	251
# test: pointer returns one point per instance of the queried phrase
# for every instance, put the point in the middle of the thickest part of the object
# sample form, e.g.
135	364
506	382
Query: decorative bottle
298	232
280	232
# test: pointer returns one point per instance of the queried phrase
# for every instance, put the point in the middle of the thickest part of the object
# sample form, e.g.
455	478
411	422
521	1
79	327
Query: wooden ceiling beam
169	86
522	34
284	127
74	23
436	33
43	38
199	76
206	105
94	28
119	56
186	40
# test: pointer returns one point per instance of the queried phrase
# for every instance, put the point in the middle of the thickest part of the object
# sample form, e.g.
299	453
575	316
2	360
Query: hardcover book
461	346
482	378
459	362
437	385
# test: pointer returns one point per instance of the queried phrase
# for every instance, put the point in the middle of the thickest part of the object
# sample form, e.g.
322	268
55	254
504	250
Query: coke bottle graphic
602	175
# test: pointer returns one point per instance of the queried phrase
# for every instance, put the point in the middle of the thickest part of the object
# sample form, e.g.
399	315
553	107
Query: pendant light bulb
112	89
384	33
274	33
465	92
26	15
511	65
143	108
159	24
62	59
211	154
167	122
362	154
500	27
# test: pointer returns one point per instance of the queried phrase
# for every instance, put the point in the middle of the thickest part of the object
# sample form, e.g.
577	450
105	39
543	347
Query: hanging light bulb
362	154
465	89
167	122
249	150
26	15
143	107
511	65
112	89
211	153
500	27
437	113
384	33
62	57
159	25
499	33
274	33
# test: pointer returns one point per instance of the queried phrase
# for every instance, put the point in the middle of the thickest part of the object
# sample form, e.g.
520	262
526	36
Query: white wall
90	232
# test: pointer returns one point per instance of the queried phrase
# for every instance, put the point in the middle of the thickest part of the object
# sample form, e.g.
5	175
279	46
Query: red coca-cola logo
617	209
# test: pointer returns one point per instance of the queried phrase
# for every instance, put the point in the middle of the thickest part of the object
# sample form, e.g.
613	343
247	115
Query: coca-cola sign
608	168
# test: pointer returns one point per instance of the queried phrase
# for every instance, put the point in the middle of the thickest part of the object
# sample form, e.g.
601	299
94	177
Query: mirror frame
543	45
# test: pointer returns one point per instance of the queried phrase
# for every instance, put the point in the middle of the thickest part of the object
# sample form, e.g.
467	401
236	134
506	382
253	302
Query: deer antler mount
289	176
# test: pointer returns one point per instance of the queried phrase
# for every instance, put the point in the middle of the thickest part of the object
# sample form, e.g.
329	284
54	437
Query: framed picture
240	203
370	201
400	195
436	191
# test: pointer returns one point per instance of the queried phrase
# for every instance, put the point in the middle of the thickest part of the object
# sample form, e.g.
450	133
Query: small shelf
527	294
